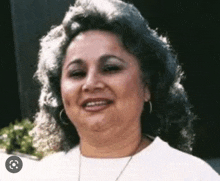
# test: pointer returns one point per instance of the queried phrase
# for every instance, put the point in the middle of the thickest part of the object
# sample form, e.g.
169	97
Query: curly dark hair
171	118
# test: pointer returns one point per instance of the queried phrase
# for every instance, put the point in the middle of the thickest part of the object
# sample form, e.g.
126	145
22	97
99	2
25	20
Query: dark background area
192	27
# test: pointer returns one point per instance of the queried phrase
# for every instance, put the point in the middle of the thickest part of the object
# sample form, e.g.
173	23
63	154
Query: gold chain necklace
80	155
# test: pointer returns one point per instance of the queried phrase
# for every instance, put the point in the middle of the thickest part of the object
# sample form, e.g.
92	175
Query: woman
108	83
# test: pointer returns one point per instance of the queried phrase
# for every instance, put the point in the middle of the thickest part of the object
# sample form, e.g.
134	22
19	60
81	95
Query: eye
77	74
111	68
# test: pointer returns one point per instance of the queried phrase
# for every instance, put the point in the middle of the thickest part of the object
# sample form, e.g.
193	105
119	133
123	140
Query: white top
157	162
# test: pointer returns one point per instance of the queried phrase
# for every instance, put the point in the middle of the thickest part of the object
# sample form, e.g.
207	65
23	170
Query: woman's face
101	86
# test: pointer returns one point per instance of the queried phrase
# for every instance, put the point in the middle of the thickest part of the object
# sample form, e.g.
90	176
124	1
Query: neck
114	146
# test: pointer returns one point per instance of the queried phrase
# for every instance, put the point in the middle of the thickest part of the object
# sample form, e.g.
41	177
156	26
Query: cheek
68	92
130	86
130	97
133	95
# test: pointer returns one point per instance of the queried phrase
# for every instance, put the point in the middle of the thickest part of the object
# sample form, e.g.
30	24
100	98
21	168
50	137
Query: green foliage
17	137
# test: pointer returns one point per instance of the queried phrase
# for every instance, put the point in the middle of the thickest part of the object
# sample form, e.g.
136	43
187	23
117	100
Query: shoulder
28	165
175	163
61	156
58	166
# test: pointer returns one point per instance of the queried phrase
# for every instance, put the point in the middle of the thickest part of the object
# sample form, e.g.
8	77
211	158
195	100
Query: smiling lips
94	105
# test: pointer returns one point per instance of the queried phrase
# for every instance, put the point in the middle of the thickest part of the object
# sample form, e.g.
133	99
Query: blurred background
192	27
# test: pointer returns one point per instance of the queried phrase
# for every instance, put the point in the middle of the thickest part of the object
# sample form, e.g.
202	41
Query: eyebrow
107	56
103	58
75	61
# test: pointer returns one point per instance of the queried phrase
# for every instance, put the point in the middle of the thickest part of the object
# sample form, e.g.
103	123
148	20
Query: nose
93	82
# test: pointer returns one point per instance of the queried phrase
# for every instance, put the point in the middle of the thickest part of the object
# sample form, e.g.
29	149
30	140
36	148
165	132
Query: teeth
98	103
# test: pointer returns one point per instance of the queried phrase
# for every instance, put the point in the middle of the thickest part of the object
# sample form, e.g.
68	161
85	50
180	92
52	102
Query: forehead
96	35
95	41
90	46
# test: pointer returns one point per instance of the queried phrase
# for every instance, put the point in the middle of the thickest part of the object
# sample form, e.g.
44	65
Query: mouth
96	105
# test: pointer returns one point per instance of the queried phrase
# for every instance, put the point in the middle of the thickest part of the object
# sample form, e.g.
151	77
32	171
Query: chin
97	124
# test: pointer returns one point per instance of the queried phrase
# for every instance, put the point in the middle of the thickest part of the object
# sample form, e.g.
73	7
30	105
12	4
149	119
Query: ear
147	94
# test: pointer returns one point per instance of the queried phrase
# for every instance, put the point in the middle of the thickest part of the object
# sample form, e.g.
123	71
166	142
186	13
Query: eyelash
78	74
109	69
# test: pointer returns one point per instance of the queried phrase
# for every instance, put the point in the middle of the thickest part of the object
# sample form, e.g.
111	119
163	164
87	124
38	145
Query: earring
150	107
62	120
